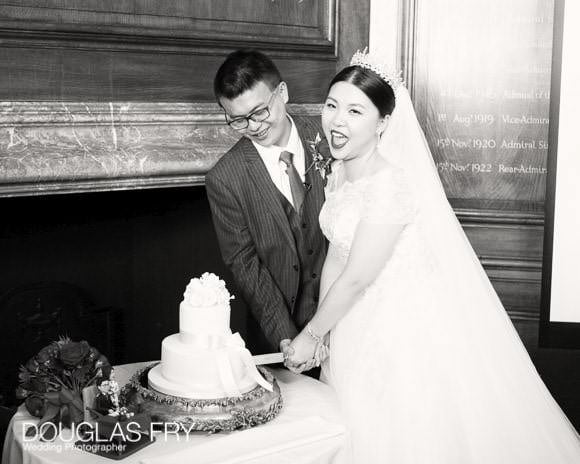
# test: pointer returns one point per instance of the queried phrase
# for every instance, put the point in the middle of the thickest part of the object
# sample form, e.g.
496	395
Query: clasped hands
303	353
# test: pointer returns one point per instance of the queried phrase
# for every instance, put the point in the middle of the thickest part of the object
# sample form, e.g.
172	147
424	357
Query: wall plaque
481	83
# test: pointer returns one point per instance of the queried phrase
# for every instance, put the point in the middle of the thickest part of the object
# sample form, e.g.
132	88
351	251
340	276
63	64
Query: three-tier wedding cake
205	360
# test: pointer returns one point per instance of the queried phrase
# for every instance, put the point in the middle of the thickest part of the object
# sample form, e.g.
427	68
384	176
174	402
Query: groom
265	201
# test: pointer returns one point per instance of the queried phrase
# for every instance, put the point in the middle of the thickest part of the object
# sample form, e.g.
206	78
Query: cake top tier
207	290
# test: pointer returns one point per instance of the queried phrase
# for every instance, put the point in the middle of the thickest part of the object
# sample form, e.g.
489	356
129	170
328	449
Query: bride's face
350	121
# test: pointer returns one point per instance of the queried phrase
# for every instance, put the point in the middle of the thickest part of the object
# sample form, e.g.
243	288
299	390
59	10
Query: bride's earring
379	131
381	127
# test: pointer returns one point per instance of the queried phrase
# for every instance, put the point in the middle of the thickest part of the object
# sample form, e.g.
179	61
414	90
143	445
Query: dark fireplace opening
110	268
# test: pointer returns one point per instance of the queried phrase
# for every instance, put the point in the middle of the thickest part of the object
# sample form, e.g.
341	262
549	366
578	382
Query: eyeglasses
259	115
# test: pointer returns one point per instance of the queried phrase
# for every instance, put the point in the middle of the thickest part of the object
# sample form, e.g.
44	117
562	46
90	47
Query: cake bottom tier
190	372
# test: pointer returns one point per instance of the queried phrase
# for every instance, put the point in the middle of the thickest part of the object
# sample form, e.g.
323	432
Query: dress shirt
276	168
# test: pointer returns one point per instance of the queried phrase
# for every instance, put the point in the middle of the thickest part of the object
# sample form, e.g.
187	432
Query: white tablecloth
309	430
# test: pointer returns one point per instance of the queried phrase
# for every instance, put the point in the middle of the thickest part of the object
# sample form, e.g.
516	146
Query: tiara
368	61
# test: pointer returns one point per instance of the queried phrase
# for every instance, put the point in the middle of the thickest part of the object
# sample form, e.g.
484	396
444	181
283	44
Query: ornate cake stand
252	408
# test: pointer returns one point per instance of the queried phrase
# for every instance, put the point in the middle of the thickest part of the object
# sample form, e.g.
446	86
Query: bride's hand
302	349
322	352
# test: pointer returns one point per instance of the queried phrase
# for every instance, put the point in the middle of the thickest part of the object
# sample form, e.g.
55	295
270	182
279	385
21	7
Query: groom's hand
301	354
287	352
286	349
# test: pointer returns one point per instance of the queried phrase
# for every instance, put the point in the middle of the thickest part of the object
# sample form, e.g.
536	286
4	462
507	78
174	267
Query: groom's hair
241	71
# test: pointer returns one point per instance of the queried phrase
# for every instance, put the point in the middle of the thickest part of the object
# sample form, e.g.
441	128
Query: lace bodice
381	198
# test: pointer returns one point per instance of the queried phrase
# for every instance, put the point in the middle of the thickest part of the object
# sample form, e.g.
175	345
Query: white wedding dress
426	372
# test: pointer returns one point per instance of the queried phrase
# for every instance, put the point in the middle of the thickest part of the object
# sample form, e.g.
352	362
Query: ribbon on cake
236	342
204	341
237	346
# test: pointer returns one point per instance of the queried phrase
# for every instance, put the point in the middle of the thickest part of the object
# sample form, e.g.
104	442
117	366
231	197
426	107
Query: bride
425	362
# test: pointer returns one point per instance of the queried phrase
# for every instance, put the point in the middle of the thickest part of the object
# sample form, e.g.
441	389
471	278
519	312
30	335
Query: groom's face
265	112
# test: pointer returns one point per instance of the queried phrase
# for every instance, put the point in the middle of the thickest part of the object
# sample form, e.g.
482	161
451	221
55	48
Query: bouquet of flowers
52	382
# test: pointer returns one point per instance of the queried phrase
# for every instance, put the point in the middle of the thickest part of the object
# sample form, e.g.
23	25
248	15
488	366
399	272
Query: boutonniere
321	157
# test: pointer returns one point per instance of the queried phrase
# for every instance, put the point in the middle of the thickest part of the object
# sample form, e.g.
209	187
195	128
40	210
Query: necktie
296	185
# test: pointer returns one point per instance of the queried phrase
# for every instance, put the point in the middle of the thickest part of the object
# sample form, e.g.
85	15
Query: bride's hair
374	87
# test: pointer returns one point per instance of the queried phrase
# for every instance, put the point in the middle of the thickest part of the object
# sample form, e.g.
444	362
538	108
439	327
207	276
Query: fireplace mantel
71	147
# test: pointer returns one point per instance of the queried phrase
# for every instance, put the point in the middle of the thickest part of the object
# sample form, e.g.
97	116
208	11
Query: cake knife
270	358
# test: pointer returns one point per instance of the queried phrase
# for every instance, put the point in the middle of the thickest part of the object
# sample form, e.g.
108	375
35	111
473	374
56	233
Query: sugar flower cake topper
208	290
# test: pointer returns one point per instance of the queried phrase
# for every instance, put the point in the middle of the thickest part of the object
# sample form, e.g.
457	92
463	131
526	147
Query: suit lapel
269	192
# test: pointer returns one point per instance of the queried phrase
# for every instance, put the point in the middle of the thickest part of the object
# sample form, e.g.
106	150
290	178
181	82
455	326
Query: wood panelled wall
509	245
156	51
114	95
168	51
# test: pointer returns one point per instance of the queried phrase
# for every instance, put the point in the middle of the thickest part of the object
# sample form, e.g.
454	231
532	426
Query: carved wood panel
158	51
251	20
509	245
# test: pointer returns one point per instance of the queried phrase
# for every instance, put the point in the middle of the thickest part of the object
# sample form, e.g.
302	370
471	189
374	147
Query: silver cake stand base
252	408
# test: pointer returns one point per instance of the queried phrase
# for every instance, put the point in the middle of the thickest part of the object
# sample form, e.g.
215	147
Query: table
308	430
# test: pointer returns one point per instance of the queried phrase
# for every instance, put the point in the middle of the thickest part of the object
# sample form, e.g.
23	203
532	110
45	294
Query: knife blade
269	358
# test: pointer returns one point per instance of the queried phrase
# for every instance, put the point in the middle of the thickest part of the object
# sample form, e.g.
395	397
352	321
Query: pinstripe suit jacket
255	236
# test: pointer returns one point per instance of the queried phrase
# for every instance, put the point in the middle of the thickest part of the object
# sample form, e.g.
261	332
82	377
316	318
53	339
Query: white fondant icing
205	360
197	369
204	320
